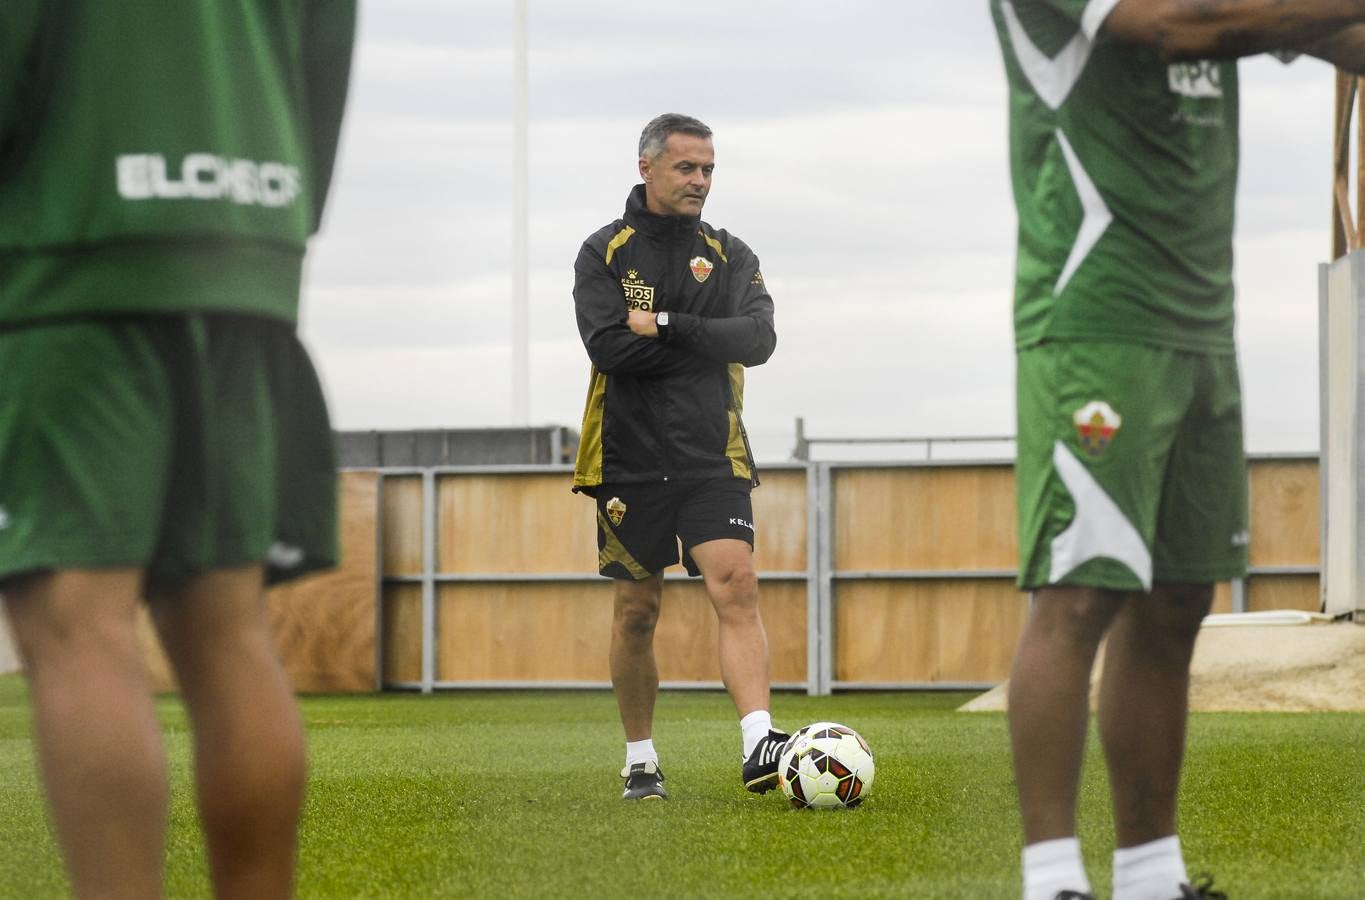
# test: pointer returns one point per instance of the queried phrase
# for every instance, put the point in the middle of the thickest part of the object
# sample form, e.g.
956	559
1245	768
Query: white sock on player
641	751
755	727
1151	871
1054	866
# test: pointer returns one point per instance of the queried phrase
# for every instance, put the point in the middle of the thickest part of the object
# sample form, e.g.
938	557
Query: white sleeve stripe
1051	78
1096	11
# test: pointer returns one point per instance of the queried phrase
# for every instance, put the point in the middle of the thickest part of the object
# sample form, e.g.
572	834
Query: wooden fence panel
913	519
403	522
925	518
514	523
780	521
1286	530
523	632
558	632
1270	592
402	633
926	631
1285	512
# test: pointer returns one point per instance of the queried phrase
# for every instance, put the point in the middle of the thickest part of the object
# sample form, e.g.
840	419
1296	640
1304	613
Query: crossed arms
622	344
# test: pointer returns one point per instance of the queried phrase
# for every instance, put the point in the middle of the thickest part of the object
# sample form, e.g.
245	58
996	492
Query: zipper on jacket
661	435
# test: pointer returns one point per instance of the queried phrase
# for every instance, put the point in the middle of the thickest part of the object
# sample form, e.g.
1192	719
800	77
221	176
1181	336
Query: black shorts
639	525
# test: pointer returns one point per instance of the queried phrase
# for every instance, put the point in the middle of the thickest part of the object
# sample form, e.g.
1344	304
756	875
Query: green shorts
1131	467
171	443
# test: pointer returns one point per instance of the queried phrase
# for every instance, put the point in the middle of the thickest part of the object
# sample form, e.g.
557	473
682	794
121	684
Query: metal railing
821	576
804	443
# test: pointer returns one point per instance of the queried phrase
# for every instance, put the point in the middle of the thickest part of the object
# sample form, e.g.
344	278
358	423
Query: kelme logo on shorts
616	510
701	268
1096	423
283	556
638	294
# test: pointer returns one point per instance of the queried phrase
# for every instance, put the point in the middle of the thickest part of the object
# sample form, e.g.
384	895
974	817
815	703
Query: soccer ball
825	765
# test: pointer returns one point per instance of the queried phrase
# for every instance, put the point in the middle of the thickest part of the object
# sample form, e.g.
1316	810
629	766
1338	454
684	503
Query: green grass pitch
494	794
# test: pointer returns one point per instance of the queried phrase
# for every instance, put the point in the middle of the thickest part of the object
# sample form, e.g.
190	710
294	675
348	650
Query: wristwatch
661	324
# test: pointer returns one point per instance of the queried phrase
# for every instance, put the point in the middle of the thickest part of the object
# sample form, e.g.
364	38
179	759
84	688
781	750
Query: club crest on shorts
701	268
616	510
1096	423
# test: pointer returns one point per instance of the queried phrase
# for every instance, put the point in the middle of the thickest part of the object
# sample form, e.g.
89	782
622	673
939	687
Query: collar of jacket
667	229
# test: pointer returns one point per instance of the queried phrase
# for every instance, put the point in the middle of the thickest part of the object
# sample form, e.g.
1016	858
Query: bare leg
249	756
727	566
634	674
1144	698
1049	706
98	739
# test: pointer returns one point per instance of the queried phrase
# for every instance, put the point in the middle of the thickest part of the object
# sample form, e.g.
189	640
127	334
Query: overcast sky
860	151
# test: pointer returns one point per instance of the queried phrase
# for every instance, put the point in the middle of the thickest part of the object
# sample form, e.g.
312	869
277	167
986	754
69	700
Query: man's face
678	179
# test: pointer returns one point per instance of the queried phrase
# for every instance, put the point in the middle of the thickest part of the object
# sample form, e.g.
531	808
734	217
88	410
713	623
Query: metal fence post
379	568
1238	588
825	490
812	578
429	519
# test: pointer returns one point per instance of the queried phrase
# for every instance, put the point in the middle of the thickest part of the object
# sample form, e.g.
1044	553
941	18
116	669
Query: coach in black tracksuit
671	310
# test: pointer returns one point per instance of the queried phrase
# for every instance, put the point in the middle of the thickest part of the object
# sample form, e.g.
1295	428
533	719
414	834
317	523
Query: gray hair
656	133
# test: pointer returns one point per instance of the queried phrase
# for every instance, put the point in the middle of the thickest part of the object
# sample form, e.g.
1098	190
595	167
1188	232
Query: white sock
641	751
1151	871
1053	866
755	727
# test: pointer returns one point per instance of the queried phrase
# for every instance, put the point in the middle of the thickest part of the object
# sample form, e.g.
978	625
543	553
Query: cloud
861	153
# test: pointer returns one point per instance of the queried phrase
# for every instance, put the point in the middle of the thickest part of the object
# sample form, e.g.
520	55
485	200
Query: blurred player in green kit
162	431
1131	469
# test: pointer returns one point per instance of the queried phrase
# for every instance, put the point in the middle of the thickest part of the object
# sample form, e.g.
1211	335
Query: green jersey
165	157
1125	174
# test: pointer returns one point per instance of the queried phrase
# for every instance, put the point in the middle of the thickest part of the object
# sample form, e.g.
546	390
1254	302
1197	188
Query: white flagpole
521	350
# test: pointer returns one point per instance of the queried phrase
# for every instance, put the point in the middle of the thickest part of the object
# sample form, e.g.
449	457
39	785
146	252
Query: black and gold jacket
668	408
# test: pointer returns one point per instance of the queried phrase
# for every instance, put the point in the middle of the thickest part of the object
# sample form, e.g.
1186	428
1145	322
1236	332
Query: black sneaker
1072	895
760	769
1201	890
644	781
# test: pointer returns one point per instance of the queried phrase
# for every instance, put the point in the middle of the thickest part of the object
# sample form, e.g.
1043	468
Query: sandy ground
1264	668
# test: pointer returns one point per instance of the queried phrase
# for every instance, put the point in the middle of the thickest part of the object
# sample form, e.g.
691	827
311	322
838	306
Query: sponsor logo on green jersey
1195	79
207	176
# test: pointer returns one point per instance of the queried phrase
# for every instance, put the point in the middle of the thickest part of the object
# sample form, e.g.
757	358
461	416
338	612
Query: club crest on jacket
701	268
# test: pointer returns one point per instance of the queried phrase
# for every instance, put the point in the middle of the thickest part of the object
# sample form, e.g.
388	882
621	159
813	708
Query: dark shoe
1201	890
1072	895
760	769
644	781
